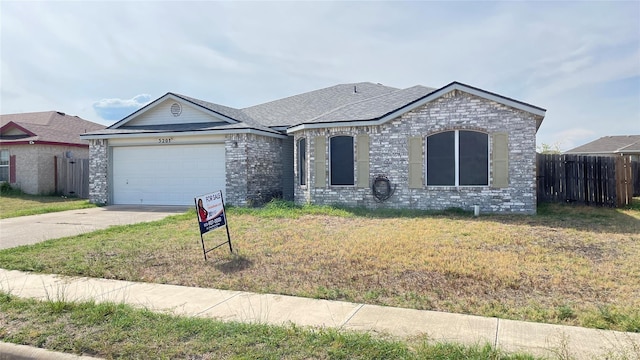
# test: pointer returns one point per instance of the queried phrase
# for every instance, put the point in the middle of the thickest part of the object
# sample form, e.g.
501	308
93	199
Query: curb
9	351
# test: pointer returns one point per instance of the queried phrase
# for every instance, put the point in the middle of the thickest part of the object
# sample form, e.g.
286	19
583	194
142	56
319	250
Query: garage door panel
166	175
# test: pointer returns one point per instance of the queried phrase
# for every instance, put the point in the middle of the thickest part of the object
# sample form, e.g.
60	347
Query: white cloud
116	109
136	101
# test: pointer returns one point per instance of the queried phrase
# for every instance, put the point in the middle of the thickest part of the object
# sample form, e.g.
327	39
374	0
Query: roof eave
41	142
626	152
183	133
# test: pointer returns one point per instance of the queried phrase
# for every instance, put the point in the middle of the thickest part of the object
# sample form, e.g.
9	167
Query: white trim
183	133
334	124
431	97
499	99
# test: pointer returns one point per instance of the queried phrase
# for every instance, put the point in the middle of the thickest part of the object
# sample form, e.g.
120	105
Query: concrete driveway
26	230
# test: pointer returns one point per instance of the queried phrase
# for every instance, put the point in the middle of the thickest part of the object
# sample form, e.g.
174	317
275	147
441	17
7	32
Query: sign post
211	215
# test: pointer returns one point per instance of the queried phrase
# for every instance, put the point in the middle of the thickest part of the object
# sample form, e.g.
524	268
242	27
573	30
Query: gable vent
176	109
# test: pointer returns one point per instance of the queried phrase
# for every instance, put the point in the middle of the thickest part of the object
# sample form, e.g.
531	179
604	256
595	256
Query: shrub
7	189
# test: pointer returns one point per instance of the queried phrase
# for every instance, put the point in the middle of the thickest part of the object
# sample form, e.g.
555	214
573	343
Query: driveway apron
26	230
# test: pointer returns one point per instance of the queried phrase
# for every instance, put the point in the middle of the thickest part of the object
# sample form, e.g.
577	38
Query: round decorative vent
176	109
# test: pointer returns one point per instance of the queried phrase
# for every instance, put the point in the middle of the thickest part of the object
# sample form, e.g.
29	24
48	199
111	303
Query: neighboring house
611	146
360	144
29	143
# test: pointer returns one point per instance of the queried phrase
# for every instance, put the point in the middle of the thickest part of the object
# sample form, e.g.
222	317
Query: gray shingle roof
607	144
47	126
233	113
375	107
304	107
362	101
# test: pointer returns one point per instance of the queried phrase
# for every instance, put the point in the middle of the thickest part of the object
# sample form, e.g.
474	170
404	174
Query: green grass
119	331
570	265
14	203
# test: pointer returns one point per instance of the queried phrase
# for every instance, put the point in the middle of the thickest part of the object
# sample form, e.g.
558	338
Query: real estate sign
210	212
210	209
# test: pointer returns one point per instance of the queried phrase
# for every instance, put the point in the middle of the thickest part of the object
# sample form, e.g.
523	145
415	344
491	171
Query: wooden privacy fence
589	180
72	177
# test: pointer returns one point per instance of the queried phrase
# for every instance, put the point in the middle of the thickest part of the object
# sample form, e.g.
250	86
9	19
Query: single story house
360	144
620	145
29	143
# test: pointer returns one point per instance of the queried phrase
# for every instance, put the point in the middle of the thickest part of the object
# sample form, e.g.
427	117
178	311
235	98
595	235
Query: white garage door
167	175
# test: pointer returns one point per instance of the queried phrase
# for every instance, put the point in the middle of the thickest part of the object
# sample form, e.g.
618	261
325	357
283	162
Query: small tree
548	149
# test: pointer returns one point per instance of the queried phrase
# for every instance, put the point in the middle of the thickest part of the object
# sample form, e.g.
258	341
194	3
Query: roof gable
162	111
11	129
49	127
387	107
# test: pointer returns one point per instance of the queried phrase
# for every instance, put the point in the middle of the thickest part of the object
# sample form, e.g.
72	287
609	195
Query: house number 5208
164	140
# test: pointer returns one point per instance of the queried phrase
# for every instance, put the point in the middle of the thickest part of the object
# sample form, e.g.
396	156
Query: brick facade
388	156
35	165
254	169
260	167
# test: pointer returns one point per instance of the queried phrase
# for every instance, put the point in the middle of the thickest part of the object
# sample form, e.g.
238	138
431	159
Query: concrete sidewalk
508	335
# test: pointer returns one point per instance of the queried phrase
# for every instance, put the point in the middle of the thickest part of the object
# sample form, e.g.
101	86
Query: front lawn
15	203
567	265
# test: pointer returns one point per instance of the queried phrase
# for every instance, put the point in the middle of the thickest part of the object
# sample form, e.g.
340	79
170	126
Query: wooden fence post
624	190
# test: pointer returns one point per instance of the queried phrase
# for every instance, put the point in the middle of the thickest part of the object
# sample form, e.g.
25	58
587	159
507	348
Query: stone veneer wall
98	171
388	155
254	168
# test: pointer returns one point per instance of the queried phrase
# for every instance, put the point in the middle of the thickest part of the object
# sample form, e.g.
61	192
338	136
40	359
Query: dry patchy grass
570	265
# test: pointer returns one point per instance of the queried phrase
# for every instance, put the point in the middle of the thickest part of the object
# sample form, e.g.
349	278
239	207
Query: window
302	161
458	158
4	165
341	160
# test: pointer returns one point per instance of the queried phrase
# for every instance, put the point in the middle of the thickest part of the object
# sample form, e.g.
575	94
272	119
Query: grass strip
115	331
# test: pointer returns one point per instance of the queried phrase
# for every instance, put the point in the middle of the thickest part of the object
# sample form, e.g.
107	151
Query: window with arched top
457	158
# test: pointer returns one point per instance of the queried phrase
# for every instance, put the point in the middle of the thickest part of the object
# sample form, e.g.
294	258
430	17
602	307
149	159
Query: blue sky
103	60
